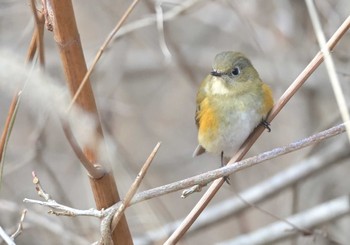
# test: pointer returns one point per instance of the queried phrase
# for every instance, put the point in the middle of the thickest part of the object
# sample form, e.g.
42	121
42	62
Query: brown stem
68	41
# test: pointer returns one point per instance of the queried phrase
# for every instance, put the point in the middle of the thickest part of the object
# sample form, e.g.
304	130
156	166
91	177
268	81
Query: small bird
231	101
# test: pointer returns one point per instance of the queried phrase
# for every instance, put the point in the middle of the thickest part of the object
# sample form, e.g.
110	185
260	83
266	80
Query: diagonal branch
109	223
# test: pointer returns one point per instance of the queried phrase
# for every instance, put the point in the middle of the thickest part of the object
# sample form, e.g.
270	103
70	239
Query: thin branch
59	209
62	210
102	49
112	219
299	81
339	95
20	225
160	28
134	187
94	170
316	216
47	224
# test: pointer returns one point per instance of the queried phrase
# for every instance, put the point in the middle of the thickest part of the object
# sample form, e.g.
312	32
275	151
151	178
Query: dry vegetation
144	86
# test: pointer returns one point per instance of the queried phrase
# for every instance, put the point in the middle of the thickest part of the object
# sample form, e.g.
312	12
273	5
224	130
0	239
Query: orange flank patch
268	99
208	123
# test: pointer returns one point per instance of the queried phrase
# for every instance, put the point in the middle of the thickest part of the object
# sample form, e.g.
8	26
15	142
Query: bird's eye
236	71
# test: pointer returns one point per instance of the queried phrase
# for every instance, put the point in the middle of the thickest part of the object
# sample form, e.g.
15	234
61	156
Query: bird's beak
215	74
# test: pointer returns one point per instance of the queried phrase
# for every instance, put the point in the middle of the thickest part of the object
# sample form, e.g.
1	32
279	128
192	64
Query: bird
231	102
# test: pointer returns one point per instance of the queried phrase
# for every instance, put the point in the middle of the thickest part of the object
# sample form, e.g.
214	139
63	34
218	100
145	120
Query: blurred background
145	92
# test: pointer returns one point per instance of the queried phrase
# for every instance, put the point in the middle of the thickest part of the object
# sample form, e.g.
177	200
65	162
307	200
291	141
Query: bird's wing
201	95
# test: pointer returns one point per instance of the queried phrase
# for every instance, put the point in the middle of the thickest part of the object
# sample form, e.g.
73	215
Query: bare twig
160	27
299	81
339	95
94	170
45	223
112	219
20	225
59	209
102	49
134	187
62	210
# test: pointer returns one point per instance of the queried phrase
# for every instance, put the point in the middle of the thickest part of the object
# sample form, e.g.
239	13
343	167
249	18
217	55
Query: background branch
308	219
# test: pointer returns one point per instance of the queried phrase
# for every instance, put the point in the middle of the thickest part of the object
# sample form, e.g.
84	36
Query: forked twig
20	225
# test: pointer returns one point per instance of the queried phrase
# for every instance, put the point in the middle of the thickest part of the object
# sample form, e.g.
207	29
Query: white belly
235	131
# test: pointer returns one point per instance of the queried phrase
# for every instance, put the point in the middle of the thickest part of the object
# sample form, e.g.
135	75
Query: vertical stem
66	35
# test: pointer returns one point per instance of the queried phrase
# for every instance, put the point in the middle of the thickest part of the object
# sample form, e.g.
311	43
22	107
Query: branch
94	170
62	210
110	222
20	225
45	223
59	209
